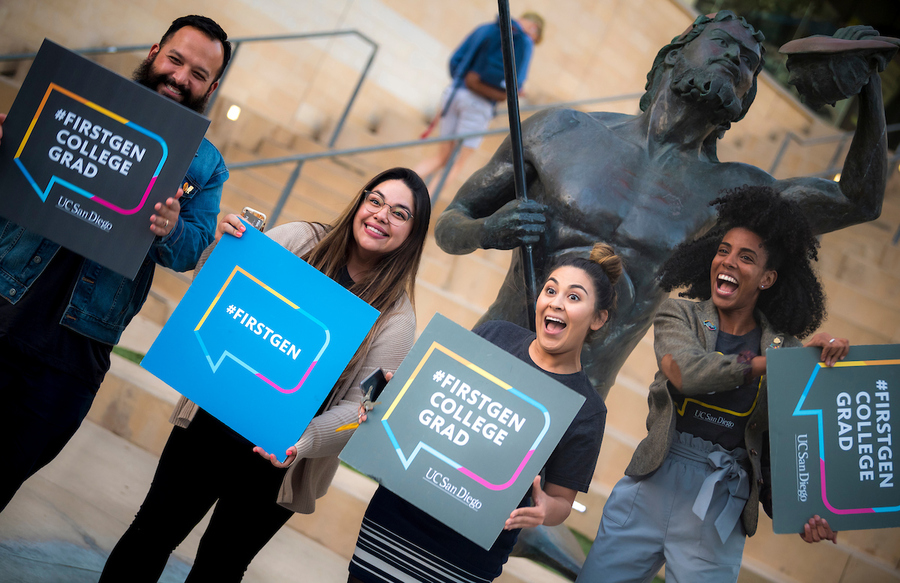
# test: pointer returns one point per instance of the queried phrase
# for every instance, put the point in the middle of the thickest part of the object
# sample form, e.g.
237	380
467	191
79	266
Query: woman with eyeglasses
373	249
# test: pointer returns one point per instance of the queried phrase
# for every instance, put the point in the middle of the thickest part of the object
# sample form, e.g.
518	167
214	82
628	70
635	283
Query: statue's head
716	62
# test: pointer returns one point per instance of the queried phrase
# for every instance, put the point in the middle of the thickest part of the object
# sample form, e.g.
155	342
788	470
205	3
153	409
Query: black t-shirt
721	417
32	325
572	462
571	465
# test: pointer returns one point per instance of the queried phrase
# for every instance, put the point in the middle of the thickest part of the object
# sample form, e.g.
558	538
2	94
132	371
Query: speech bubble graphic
488	408
87	143
262	331
465	428
854	430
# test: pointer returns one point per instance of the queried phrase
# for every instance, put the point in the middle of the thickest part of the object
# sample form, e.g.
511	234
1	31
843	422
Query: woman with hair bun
691	494
399	542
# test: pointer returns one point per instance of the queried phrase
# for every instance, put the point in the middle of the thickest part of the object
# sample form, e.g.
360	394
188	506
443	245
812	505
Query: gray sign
86	154
463	429
831	439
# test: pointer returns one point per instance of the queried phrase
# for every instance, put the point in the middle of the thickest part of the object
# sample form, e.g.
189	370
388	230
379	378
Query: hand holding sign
816	530
291	456
166	216
232	225
833	349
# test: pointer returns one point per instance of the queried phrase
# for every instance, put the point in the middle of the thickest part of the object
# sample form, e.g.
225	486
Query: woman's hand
364	409
232	225
291	455
833	348
529	516
817	530
551	507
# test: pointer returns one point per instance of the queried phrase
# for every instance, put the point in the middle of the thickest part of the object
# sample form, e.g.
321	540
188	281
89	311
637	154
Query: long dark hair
394	274
795	304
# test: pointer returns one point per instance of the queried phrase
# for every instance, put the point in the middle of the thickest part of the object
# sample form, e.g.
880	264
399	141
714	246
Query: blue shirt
481	53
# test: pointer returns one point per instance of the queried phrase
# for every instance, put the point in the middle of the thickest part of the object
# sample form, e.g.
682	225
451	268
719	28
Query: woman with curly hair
692	490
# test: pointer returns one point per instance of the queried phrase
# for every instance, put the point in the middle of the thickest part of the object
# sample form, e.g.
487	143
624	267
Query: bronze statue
643	183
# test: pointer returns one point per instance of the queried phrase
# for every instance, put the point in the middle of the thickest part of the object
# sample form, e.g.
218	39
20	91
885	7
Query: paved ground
60	526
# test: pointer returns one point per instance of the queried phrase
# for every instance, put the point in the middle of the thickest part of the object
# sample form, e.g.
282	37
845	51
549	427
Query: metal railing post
784	144
286	192
362	77
445	172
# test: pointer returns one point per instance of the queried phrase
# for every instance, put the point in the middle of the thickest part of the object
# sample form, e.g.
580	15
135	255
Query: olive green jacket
688	330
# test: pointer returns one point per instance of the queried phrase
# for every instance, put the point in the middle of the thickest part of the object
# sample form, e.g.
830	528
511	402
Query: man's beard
146	77
704	85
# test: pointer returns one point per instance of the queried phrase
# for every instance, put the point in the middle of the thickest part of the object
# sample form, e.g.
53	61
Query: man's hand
166	217
2	119
515	223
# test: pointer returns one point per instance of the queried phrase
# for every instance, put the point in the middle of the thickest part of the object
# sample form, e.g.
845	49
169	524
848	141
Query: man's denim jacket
103	302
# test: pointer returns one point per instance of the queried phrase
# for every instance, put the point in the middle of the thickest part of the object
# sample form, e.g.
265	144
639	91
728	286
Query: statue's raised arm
824	70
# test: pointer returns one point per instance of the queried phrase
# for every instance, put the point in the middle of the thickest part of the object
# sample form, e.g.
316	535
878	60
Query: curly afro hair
795	304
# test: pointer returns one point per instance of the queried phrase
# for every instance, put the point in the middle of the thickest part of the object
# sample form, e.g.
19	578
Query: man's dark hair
654	77
210	28
795	304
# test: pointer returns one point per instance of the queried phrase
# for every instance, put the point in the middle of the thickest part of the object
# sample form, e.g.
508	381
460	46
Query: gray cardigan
680	329
317	461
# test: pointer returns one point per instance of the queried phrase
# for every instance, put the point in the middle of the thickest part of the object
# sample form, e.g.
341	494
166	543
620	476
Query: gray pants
653	521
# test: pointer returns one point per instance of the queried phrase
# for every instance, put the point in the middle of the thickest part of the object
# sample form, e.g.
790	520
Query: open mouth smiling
375	230
553	324
725	284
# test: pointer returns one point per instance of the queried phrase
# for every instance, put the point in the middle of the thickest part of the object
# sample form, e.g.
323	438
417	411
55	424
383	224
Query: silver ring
831	341
167	224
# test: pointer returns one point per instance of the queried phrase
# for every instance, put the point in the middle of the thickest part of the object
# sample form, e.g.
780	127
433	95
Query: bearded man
61	314
643	183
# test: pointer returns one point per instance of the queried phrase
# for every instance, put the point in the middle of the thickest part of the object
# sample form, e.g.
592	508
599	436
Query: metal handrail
842	139
236	44
299	159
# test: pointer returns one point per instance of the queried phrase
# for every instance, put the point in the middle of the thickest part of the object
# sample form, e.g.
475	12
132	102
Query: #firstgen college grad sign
86	154
462	430
831	437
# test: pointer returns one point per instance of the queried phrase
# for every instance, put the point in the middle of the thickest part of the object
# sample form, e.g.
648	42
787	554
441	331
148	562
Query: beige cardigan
317	461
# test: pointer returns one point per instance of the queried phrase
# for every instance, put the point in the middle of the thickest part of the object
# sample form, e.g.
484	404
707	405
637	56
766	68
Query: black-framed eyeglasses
397	215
